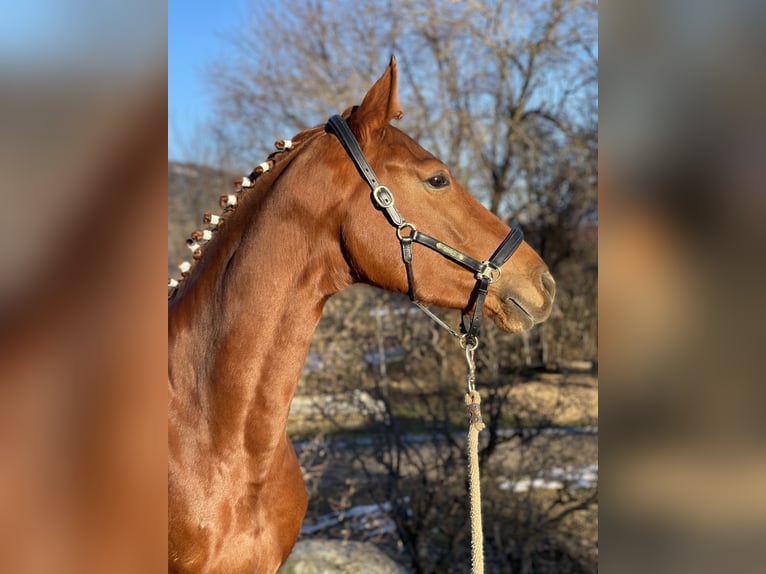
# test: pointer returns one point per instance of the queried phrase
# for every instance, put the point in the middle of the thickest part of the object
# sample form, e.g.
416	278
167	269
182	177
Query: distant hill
192	190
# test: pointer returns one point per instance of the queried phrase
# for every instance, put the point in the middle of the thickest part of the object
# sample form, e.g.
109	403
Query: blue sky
196	38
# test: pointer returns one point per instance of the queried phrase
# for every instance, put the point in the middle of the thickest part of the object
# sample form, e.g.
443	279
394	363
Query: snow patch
555	479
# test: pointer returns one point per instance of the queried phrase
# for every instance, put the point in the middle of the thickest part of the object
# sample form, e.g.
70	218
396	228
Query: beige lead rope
473	402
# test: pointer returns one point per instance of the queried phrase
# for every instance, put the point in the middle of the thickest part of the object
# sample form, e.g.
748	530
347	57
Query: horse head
430	199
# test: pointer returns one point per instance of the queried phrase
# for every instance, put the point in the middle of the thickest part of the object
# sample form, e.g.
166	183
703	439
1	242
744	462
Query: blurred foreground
82	309
682	206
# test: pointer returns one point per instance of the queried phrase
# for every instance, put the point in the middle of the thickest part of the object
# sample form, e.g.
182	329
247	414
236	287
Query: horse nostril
549	284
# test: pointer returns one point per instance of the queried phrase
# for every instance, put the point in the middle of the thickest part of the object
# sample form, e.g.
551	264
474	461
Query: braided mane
254	182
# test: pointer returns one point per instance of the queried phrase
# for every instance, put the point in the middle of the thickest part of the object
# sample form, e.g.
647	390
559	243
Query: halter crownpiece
487	272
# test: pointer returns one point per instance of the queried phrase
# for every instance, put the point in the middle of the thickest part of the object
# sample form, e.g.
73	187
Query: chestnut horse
241	321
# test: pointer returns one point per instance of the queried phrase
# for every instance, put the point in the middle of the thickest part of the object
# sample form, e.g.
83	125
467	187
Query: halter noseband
487	272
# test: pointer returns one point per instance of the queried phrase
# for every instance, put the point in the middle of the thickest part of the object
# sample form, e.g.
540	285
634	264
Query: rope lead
476	425
473	402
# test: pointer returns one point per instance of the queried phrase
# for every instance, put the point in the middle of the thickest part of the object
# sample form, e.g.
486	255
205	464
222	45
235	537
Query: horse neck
240	330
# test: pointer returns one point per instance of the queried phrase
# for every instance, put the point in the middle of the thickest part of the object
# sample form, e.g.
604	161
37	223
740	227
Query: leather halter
487	272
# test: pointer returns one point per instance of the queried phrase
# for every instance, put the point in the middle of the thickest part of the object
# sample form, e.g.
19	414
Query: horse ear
380	105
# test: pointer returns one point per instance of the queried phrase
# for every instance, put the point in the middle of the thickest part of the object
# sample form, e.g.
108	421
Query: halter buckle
489	271
383	197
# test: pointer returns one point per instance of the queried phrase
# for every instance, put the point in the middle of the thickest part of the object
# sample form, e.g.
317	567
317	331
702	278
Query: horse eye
438	181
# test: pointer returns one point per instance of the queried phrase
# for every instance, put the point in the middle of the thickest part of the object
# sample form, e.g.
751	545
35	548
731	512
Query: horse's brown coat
240	326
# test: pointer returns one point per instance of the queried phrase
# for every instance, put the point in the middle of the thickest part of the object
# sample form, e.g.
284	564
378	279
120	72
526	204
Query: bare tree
499	90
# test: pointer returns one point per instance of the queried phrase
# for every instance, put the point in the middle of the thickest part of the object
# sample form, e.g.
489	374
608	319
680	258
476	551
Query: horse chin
510	316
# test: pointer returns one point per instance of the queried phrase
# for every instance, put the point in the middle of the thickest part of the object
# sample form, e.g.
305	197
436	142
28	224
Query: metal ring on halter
489	271
469	346
405	225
